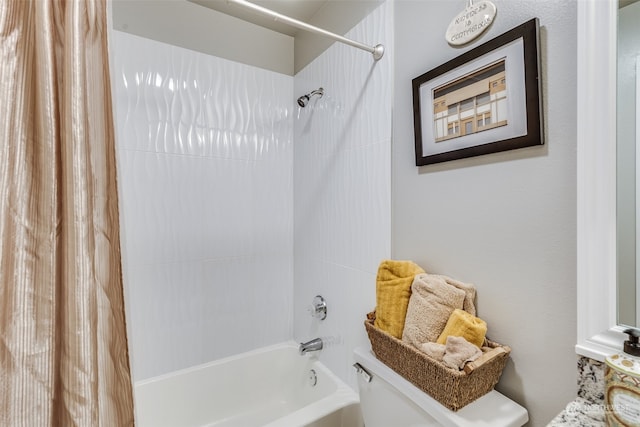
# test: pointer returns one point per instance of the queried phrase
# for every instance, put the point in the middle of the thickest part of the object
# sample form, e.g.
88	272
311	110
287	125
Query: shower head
304	99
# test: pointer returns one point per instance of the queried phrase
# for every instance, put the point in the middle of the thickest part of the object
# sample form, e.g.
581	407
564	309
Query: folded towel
430	306
470	294
458	352
463	324
393	289
435	350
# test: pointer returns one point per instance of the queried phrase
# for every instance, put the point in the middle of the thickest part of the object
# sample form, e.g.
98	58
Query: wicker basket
454	389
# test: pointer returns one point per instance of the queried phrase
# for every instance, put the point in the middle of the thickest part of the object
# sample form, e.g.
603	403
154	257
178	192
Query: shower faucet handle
319	308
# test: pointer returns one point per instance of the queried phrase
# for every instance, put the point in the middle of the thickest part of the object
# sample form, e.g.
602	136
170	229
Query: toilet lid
491	410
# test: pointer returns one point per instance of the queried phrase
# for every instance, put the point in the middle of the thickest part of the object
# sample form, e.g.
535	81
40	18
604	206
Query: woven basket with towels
452	388
425	328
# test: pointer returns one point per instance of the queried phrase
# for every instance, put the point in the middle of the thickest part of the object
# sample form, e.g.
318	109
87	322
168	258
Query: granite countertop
587	410
580	413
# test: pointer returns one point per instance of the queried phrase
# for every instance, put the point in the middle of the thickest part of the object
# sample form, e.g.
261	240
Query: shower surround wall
342	189
205	175
210	213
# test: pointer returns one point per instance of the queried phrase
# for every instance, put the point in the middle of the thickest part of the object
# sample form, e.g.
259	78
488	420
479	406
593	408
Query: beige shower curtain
63	346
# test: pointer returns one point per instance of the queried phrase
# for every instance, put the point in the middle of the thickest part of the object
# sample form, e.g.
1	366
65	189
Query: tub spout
313	345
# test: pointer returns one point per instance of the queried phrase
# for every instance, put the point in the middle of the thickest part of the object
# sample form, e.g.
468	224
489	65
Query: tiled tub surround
205	152
342	190
587	410
209	193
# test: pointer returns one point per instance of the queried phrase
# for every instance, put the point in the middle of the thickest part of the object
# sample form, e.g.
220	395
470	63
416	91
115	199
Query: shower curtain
63	346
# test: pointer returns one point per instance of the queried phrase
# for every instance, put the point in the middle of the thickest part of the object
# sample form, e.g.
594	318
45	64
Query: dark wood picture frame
513	57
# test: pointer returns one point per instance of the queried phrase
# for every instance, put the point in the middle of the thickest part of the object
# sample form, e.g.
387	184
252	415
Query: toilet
387	399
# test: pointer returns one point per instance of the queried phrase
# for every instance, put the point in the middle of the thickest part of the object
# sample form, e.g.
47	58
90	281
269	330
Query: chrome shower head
304	99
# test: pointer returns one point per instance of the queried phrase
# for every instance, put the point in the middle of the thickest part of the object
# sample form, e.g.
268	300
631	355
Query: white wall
205	175
335	16
192	26
505	222
342	189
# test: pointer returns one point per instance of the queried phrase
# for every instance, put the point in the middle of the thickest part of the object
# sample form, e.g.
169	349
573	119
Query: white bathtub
268	387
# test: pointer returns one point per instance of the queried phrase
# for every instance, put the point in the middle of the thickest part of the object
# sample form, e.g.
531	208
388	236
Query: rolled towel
393	289
435	350
430	306
459	351
470	294
463	324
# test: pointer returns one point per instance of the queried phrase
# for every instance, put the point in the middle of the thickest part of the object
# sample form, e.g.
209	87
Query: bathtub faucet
313	345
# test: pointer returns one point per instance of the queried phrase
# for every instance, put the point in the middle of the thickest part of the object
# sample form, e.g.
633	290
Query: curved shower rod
377	51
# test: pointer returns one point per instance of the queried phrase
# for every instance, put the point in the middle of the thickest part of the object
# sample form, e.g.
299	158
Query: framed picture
484	101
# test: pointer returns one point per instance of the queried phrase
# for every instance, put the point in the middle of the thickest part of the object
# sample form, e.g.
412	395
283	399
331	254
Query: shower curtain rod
377	51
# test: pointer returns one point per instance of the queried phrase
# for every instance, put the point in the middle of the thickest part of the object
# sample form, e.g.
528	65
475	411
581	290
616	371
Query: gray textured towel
470	294
459	351
433	349
430	306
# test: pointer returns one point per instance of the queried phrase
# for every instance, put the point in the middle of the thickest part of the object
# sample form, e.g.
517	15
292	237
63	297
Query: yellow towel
393	289
463	324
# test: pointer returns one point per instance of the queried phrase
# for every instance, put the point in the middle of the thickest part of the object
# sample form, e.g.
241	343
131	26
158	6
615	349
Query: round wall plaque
471	22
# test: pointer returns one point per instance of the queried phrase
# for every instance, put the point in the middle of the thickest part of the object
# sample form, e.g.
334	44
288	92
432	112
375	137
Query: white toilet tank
390	400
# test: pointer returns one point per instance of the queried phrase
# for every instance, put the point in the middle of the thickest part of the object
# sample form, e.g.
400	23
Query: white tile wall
342	193
206	158
205	169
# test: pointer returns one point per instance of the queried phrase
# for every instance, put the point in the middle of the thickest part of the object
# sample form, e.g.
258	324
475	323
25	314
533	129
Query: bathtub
270	387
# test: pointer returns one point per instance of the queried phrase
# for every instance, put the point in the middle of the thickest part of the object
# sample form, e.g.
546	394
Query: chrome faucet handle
319	308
